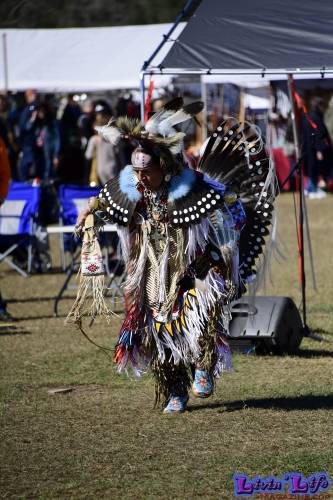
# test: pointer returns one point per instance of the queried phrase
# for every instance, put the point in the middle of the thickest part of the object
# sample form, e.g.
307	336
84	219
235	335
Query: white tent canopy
79	59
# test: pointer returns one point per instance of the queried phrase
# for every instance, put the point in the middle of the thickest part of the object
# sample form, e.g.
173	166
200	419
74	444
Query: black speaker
270	324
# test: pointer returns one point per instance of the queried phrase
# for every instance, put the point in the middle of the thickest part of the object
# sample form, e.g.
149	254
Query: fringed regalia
189	248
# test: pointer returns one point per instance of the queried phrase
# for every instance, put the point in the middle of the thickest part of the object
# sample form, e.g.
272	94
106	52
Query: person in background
86	126
317	148
3	121
71	165
8	133
50	138
86	122
4	185
27	124
105	164
104	153
127	106
11	112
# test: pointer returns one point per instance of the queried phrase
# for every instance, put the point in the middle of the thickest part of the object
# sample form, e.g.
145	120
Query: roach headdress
158	137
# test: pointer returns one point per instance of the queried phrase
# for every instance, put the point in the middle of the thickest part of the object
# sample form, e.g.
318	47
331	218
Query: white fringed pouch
91	285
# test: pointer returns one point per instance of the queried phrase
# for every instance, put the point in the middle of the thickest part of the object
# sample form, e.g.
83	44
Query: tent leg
301	195
142	89
306	330
5	61
241	105
204	111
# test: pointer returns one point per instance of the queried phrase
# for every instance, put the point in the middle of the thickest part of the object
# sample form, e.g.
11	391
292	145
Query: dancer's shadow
306	402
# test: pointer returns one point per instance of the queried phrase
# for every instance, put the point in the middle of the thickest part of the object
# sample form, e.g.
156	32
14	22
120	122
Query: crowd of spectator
54	139
51	141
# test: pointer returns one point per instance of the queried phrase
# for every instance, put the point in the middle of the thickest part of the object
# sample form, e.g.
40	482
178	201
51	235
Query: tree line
87	13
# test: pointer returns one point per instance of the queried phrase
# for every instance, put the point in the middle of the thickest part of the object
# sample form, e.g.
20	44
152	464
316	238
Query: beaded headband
141	160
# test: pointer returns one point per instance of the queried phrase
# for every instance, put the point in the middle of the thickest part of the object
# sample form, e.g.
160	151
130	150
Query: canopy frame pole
142	90
300	225
204	125
302	209
5	60
166	37
154	70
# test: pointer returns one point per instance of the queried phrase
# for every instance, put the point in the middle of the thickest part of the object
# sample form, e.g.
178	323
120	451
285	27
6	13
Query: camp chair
18	216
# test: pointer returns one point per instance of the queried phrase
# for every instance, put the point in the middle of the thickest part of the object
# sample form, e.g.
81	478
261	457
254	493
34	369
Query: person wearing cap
102	154
317	149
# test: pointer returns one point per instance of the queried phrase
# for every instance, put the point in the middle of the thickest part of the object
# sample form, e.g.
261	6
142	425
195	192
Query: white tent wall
79	59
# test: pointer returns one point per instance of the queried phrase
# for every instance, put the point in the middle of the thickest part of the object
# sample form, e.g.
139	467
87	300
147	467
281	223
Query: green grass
103	440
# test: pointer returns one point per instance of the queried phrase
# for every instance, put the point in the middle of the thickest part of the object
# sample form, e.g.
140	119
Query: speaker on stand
266	324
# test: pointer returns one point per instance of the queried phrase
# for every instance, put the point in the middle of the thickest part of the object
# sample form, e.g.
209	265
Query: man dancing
180	233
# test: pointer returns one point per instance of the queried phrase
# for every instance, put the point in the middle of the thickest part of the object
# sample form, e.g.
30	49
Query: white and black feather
234	156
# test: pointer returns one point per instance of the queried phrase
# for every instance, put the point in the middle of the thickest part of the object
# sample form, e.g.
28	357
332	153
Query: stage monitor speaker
270	323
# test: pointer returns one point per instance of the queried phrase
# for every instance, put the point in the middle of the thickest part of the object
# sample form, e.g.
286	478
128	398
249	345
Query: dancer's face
150	177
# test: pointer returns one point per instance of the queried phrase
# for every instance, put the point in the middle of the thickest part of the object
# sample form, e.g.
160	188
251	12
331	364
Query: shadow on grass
309	402
322	330
42	316
37	299
313	353
53	316
13	331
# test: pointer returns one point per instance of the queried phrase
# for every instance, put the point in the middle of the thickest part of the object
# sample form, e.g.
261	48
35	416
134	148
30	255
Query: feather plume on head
169	109
166	126
159	133
109	132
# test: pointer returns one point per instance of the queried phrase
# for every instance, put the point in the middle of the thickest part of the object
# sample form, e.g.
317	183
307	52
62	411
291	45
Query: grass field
103	440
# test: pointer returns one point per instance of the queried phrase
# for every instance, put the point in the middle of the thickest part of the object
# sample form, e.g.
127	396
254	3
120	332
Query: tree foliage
86	13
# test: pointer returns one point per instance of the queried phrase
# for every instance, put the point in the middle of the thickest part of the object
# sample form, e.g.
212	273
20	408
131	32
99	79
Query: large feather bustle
234	155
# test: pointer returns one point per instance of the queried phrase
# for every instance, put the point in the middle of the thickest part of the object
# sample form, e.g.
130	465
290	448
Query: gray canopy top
257	36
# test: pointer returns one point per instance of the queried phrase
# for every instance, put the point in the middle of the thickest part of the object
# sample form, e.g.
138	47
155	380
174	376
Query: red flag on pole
302	107
148	106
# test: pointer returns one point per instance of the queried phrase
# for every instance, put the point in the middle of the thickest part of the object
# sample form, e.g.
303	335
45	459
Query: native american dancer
190	239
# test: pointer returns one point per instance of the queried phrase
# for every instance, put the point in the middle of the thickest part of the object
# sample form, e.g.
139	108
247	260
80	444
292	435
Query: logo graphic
293	483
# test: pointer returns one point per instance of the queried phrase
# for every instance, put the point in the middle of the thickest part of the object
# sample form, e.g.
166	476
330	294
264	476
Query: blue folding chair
72	201
18	217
